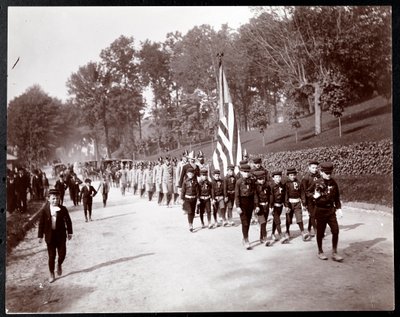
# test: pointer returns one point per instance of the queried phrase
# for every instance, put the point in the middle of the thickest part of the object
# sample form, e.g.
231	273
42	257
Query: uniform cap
88	180
54	191
259	174
217	172
291	170
231	167
243	162
276	173
245	168
190	170
204	172
245	154
257	160
326	167
315	162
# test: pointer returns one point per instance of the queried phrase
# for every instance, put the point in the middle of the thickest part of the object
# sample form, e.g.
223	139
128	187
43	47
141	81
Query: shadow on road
16	257
121	215
99	266
350	227
356	248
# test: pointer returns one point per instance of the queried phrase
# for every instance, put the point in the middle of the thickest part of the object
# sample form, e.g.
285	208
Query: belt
231	191
219	197
204	197
294	200
187	196
278	205
263	204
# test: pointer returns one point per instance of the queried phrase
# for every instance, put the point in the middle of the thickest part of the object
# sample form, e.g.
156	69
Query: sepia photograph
169	159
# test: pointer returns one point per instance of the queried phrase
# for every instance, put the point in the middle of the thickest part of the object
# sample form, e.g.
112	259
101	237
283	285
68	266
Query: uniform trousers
311	221
229	205
276	225
247	206
55	246
205	206
262	220
190	207
323	217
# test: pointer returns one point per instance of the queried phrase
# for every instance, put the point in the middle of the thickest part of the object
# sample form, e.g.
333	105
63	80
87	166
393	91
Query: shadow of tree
115	216
99	266
355	248
356	129
350	227
16	257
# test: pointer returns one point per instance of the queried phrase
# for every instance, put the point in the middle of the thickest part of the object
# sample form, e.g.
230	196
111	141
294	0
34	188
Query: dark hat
291	170
243	162
88	180
276	173
217	172
231	167
257	160
54	191
326	167
190	170
204	172
167	158
313	162
160	159
259	174
245	168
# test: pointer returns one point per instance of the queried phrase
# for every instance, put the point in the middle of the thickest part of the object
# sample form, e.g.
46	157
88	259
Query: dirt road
139	257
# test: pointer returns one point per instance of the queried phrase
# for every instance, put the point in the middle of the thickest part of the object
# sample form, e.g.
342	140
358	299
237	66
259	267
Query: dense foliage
304	59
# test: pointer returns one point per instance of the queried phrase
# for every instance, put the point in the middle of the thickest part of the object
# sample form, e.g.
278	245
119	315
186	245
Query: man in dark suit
87	194
22	186
54	224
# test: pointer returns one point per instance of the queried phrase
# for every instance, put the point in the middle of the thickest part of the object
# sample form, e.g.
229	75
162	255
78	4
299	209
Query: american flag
228	149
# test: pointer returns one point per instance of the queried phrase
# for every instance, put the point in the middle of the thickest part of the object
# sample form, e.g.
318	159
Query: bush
365	158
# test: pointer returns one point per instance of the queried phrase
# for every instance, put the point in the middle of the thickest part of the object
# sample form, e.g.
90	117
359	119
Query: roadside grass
372	189
16	224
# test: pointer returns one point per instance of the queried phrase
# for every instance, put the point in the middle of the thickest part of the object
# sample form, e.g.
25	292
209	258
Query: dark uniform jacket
292	190
63	225
229	185
190	187
245	187
217	188
307	181
330	197
204	189
87	194
263	192
277	193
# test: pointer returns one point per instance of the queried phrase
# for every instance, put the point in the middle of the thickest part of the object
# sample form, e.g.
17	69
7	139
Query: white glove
239	210
339	213
317	194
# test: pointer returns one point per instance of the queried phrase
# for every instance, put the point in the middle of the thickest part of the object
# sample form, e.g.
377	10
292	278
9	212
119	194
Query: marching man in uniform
245	200
189	194
229	192
263	192
293	203
327	201
205	198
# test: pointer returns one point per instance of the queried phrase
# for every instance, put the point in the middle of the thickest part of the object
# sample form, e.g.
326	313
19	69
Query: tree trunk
340	128
140	126
296	136
310	105
263	138
274	110
317	107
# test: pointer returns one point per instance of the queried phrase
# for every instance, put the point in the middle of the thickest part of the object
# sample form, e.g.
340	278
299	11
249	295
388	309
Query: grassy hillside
367	121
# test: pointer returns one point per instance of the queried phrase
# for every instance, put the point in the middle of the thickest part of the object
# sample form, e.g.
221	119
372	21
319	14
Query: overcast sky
53	42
